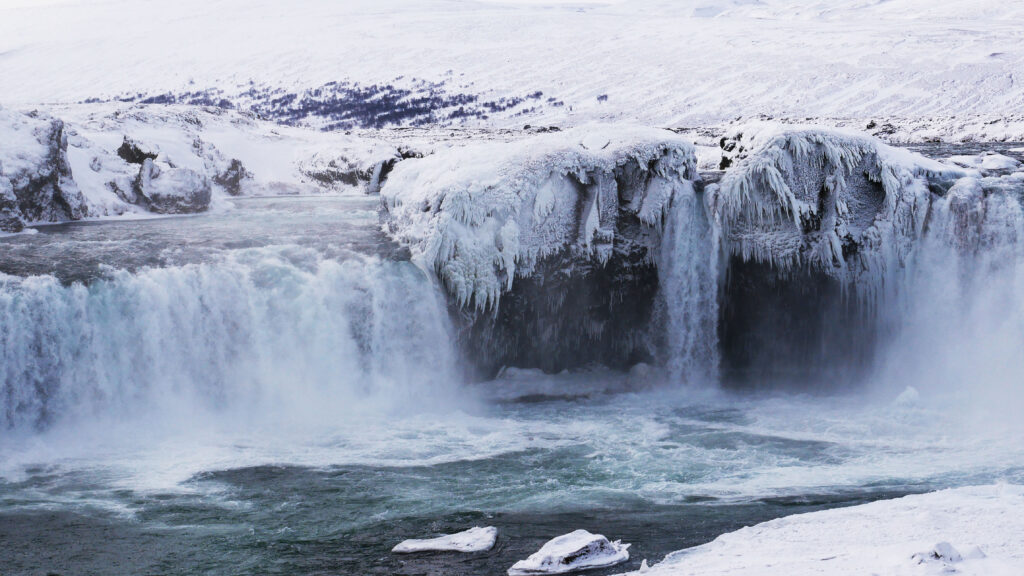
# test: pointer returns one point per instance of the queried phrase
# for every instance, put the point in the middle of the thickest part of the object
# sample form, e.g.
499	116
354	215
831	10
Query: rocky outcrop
836	201
166	190
36	183
133	153
547	246
233	177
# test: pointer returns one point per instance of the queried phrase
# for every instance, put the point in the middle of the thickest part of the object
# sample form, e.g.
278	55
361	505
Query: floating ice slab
573	552
475	539
987	162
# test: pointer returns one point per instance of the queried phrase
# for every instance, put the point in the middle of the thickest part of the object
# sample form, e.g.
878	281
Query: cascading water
688	275
956	321
277	329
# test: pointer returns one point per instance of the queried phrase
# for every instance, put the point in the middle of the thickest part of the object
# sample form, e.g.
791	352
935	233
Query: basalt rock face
546	247
36	183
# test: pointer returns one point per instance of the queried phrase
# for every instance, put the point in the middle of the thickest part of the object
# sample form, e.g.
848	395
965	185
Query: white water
276	332
958	315
688	273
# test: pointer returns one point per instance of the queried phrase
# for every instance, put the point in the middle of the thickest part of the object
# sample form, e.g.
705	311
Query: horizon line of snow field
949	67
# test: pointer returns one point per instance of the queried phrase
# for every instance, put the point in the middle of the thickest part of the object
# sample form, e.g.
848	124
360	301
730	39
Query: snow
482	214
949	69
20	148
573	552
969	531
987	162
475	539
200	146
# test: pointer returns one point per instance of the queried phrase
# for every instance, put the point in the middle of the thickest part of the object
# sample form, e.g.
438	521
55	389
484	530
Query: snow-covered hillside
929	69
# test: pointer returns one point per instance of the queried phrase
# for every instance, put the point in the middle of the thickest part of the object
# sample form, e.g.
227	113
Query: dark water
209	541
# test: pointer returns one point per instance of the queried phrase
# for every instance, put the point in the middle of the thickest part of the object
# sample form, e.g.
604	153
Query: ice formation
573	552
836	201
483	215
475	539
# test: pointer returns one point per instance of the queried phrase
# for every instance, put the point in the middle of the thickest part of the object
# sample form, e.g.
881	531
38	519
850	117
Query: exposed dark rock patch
133	153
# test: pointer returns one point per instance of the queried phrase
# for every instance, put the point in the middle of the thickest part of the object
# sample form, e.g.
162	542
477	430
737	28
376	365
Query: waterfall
688	275
271	329
958	321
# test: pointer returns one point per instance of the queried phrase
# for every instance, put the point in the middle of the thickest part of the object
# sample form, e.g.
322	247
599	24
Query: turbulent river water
273	389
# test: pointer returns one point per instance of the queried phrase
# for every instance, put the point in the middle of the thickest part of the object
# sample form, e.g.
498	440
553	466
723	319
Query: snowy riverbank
971	531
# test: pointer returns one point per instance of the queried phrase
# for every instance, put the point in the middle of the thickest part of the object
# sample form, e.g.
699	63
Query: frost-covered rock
483	215
547	246
359	165
168	190
833	200
232	177
36	183
475	539
573	552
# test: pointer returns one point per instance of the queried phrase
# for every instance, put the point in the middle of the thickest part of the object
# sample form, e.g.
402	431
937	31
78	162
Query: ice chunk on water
475	539
987	162
573	552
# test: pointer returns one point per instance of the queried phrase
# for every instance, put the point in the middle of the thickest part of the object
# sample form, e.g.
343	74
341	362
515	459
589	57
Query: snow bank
481	215
475	539
969	531
834	200
573	552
